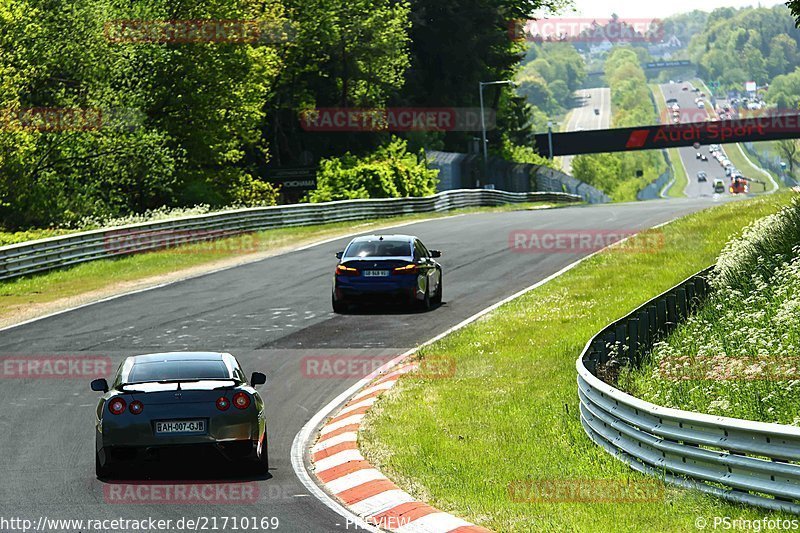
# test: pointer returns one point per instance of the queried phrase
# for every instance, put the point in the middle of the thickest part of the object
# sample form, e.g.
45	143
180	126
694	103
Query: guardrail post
633	341
661	317
682	303
644	335
691	297
672	312
623	350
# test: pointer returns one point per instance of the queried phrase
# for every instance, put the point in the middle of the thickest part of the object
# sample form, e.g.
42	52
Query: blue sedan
386	268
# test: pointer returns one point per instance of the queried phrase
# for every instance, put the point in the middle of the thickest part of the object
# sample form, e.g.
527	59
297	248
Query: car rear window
379	249
172	370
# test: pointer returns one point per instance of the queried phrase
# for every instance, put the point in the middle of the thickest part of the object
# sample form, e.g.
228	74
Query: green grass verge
510	414
105	273
678	170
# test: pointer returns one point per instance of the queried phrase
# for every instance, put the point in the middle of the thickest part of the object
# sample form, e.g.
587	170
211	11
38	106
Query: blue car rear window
379	249
170	370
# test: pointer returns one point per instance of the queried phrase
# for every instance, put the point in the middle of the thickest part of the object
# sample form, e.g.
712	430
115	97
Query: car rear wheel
100	471
425	303
262	464
437	298
339	307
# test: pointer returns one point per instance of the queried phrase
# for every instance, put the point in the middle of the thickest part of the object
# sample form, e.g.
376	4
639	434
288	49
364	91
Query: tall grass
738	356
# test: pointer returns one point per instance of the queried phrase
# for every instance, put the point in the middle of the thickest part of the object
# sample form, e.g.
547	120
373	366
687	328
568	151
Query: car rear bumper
399	289
235	450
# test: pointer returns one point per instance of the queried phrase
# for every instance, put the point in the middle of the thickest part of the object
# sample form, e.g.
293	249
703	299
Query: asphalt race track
270	315
582	116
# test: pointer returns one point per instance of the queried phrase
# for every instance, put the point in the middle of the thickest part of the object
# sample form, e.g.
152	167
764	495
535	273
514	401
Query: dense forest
98	122
749	44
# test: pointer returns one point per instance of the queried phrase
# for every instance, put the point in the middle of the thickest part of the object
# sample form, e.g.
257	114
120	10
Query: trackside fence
743	461
57	252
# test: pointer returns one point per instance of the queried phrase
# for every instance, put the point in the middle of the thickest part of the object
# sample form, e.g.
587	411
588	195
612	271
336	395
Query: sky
653	9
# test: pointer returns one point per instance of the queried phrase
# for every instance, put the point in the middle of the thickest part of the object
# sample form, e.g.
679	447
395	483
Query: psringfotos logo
341	119
62	366
585	491
569	241
195	492
587	30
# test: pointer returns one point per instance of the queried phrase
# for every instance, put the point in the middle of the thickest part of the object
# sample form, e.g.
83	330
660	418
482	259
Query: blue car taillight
408	269
342	270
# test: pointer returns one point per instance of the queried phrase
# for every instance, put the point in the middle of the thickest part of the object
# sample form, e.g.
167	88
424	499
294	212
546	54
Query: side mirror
100	385
339	255
257	378
436	253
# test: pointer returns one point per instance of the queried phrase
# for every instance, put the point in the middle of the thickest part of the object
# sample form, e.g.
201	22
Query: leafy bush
389	172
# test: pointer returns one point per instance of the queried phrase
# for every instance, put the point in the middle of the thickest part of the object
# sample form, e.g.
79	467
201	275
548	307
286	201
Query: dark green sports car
172	402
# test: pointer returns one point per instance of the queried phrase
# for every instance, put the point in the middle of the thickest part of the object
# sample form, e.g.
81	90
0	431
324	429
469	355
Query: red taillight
241	400
116	406
223	403
408	269
342	270
136	407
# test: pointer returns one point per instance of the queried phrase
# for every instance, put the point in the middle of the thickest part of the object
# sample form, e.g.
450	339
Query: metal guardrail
57	252
739	460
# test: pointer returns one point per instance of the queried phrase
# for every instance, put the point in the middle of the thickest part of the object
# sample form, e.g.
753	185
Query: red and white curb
343	471
361	494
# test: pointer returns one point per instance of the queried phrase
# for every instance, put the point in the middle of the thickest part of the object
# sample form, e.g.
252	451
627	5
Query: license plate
376	273
180	426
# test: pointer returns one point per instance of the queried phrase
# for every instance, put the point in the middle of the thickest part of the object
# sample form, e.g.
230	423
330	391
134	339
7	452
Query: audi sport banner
757	128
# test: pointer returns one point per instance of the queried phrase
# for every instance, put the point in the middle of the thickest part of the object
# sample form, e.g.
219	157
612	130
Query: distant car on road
703	157
698	155
382	268
719	186
702	176
162	405
739	185
596	111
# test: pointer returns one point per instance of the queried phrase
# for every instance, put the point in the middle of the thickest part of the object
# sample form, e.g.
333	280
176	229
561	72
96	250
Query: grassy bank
106	274
678	170
737	356
509	415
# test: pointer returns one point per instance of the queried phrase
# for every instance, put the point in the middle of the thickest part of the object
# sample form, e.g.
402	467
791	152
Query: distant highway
689	112
583	116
